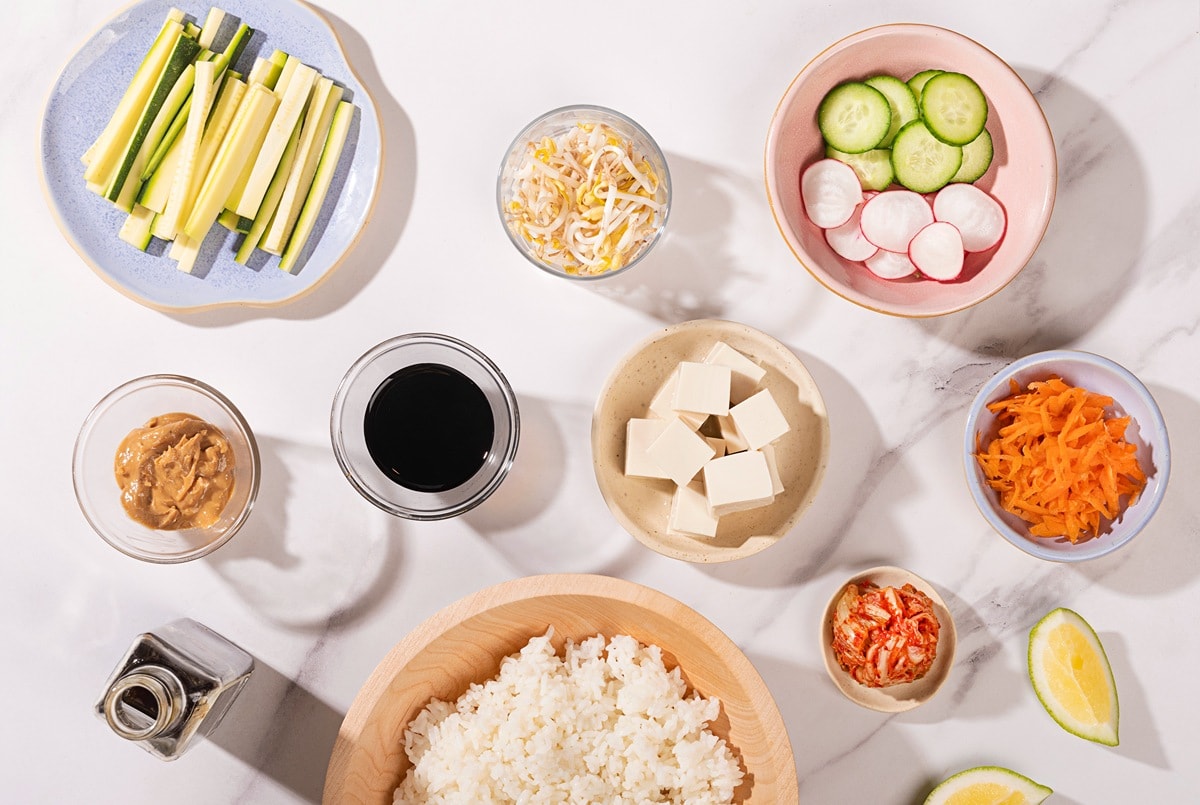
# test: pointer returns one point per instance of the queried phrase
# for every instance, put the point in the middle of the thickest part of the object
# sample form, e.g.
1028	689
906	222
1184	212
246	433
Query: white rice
602	724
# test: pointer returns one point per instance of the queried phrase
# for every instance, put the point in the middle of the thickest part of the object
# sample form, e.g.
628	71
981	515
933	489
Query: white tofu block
639	435
759	419
746	373
680	452
768	451
703	388
735	442
664	400
718	445
738	482
689	512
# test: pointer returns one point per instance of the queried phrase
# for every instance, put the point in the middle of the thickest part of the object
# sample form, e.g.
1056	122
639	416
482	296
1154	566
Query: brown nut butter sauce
176	472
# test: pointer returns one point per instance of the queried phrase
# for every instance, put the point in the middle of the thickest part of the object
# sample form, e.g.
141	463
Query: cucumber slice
918	81
182	52
339	129
854	117
922	162
977	158
136	229
874	167
953	108
902	101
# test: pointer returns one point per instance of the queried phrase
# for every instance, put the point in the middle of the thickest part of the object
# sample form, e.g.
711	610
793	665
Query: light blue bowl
84	98
1147	430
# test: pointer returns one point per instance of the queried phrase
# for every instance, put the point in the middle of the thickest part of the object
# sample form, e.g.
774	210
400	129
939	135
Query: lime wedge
1072	678
987	785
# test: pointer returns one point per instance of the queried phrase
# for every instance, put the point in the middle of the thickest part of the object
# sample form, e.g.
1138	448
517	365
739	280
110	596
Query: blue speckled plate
84	98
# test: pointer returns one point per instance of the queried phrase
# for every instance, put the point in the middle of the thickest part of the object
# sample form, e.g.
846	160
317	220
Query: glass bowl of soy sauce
425	426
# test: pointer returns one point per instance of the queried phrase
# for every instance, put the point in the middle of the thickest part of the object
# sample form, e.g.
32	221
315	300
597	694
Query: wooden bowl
896	698
642	505
466	641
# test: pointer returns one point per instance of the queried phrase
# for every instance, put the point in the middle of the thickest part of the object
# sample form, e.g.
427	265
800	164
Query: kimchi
885	635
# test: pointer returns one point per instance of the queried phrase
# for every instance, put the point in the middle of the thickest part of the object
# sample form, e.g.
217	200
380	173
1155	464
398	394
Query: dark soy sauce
428	427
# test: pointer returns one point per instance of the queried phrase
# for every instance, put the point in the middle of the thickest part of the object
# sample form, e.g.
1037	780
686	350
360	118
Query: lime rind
1102	732
985	776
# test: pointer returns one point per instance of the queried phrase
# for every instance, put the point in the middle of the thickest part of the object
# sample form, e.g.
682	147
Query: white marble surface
320	585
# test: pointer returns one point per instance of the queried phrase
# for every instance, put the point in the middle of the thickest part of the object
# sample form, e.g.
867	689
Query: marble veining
319	586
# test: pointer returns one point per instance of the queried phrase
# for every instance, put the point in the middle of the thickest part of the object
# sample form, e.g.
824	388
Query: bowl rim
151	381
656	153
878	699
1093	548
773	144
696	555
348	742
506	454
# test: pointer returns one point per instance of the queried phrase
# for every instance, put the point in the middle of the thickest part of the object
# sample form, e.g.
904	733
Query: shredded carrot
1058	462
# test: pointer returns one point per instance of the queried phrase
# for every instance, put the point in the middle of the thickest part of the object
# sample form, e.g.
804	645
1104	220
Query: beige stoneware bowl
465	642
897	698
642	505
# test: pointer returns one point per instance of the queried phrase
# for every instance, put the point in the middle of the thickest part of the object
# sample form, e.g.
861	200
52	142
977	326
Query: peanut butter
175	472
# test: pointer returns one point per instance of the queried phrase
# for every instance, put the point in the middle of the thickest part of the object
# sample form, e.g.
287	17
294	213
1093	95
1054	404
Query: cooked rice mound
601	724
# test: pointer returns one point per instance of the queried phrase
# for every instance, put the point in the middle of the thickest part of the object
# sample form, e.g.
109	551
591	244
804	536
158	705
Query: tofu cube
662	406
718	445
680	452
639	435
703	388
735	442
759	419
768	451
746	373
738	482
689	512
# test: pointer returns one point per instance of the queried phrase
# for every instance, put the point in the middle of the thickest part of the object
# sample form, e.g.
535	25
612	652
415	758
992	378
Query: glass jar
173	687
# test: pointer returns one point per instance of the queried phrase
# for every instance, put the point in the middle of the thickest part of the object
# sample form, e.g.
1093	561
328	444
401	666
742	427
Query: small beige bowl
897	698
465	642
642	505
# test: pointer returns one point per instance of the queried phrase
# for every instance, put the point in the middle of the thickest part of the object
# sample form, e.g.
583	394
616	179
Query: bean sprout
586	201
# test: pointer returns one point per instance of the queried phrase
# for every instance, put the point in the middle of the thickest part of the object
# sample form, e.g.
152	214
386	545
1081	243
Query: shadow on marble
313	551
548	515
682	278
393	204
281	729
1094	240
1140	737
1166	555
981	685
850	737
861	485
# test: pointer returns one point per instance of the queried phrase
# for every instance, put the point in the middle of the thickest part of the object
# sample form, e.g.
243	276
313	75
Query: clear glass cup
130	406
347	425
556	123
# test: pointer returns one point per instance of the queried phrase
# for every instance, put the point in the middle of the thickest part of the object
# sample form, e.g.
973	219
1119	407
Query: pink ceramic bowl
1022	176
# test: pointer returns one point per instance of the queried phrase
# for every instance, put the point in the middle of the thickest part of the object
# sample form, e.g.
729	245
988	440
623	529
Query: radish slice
849	241
979	217
937	251
890	265
831	190
891	219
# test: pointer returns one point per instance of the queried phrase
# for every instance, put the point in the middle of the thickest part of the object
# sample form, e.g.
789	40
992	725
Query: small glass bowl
347	425
556	123
130	406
